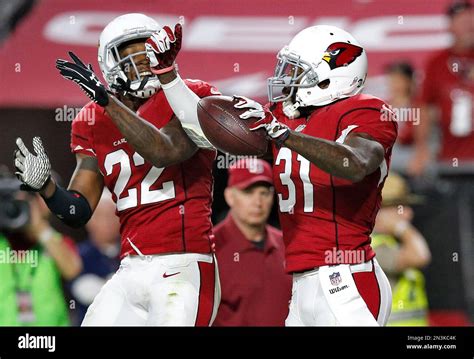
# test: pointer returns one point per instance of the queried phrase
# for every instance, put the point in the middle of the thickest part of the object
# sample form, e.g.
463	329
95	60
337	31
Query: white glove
162	48
275	130
33	171
256	110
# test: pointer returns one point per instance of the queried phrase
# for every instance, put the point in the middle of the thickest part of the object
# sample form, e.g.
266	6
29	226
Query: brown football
222	126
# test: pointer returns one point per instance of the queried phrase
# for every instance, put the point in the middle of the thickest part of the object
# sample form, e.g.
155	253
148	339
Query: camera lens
14	214
12	209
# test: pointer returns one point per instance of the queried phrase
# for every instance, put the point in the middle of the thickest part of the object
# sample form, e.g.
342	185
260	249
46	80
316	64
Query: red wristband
163	71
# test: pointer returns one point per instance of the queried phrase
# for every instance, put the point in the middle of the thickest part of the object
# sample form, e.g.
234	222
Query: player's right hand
163	47
33	170
276	131
254	108
85	77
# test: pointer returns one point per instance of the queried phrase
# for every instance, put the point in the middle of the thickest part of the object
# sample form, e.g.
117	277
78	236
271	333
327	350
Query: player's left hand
85	77
33	170
163	47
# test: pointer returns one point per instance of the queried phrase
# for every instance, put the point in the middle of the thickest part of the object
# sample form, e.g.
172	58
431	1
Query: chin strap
290	109
125	86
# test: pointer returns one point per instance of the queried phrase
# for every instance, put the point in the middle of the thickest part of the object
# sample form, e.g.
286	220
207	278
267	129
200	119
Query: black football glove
85	77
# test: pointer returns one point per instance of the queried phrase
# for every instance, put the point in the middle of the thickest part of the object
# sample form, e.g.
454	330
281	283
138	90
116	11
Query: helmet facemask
144	83
328	64
291	73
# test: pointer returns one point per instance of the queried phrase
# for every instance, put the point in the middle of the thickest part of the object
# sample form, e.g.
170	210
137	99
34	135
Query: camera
14	213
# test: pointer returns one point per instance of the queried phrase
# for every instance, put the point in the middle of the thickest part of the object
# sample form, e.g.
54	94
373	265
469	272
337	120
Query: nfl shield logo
335	278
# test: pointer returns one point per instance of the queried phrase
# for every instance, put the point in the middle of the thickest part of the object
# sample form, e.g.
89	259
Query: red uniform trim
369	289
207	274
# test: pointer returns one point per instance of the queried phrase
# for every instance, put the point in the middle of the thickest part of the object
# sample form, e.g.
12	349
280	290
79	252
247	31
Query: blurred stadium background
231	44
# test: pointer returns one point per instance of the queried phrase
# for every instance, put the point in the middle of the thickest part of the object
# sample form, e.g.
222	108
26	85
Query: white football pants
159	290
341	295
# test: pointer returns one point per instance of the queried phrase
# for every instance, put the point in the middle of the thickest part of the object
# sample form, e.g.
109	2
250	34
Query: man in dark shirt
250	253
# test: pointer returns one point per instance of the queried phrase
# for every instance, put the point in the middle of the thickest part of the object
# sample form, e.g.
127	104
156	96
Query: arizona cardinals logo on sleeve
341	54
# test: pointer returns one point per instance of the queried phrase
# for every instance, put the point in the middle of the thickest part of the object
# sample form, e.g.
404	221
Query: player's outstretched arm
76	204
162	49
73	206
161	147
357	157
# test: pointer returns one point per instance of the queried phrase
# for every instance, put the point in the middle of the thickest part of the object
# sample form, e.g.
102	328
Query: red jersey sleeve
201	88
378	123
81	131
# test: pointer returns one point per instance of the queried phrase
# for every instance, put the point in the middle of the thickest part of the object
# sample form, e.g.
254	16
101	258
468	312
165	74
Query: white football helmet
320	65
120	30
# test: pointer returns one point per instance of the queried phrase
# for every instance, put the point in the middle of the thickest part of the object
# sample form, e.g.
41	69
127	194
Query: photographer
34	259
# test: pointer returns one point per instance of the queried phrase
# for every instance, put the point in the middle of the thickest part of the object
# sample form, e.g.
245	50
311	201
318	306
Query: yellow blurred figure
401	251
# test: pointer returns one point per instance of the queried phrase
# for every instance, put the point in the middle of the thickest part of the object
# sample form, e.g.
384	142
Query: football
222	126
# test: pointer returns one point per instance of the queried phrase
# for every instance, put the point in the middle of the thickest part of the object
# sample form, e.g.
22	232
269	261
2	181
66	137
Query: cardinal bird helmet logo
341	54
